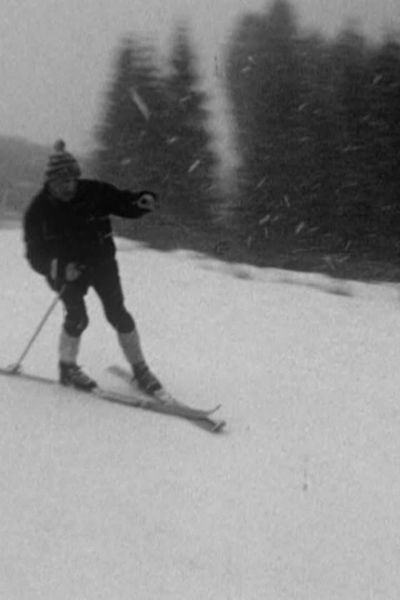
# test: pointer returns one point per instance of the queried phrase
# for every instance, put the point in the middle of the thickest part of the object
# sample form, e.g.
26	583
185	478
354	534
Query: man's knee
121	320
75	324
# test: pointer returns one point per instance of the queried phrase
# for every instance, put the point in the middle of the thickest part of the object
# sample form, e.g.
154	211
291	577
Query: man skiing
68	238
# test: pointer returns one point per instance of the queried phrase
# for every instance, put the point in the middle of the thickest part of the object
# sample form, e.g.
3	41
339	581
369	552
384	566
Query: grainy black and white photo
199	300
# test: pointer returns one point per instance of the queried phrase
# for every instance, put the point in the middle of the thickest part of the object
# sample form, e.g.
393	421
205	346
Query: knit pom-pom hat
61	163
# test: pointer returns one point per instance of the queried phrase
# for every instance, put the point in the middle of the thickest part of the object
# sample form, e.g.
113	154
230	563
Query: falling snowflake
261	183
300	228
140	103
194	166
264	219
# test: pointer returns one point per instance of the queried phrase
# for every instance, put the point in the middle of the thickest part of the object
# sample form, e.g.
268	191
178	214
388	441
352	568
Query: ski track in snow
298	499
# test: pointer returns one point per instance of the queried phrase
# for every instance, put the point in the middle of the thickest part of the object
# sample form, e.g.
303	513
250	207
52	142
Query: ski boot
145	380
72	375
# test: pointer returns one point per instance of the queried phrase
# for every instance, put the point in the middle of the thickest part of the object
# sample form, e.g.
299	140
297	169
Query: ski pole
15	367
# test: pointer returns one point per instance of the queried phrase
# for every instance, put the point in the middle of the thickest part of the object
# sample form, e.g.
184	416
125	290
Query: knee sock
68	347
130	345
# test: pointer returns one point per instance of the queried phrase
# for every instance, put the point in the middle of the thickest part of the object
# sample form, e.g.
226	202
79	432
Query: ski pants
103	277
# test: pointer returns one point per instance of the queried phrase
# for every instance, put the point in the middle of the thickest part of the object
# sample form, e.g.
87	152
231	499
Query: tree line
154	129
316	125
21	173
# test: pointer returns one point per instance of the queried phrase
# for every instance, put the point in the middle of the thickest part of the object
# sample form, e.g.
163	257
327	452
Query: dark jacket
77	231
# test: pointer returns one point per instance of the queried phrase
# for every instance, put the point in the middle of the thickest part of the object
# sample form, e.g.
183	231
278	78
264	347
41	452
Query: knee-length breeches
104	278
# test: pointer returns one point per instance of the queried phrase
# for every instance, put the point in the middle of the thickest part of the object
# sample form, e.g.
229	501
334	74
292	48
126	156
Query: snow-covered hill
297	500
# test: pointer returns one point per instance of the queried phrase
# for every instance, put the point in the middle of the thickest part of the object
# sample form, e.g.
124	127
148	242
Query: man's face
64	188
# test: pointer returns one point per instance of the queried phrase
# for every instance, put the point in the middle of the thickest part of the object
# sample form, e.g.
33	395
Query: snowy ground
297	500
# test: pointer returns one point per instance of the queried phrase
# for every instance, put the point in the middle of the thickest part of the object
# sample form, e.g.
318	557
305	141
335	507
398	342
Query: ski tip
210	411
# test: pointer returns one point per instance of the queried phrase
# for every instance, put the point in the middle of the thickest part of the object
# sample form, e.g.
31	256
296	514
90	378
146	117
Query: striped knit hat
61	163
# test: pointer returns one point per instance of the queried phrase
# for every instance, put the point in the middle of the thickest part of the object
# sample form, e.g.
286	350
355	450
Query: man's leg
107	284
75	322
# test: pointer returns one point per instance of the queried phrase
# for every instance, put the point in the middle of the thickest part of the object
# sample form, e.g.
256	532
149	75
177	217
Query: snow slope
297	500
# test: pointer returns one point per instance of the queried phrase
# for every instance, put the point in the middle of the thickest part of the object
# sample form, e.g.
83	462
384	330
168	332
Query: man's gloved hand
147	201
62	272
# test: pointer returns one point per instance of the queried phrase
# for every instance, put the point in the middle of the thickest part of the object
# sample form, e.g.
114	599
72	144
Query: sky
297	500
56	56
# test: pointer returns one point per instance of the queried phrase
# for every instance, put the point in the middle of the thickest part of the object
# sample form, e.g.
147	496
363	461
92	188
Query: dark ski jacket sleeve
121	203
81	230
39	251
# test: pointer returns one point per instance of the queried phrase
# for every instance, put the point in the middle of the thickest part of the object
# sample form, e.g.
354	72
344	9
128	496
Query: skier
68	239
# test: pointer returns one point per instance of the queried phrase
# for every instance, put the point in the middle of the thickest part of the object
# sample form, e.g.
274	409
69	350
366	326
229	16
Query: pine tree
191	161
131	144
116	134
383	121
320	137
150	99
266	92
